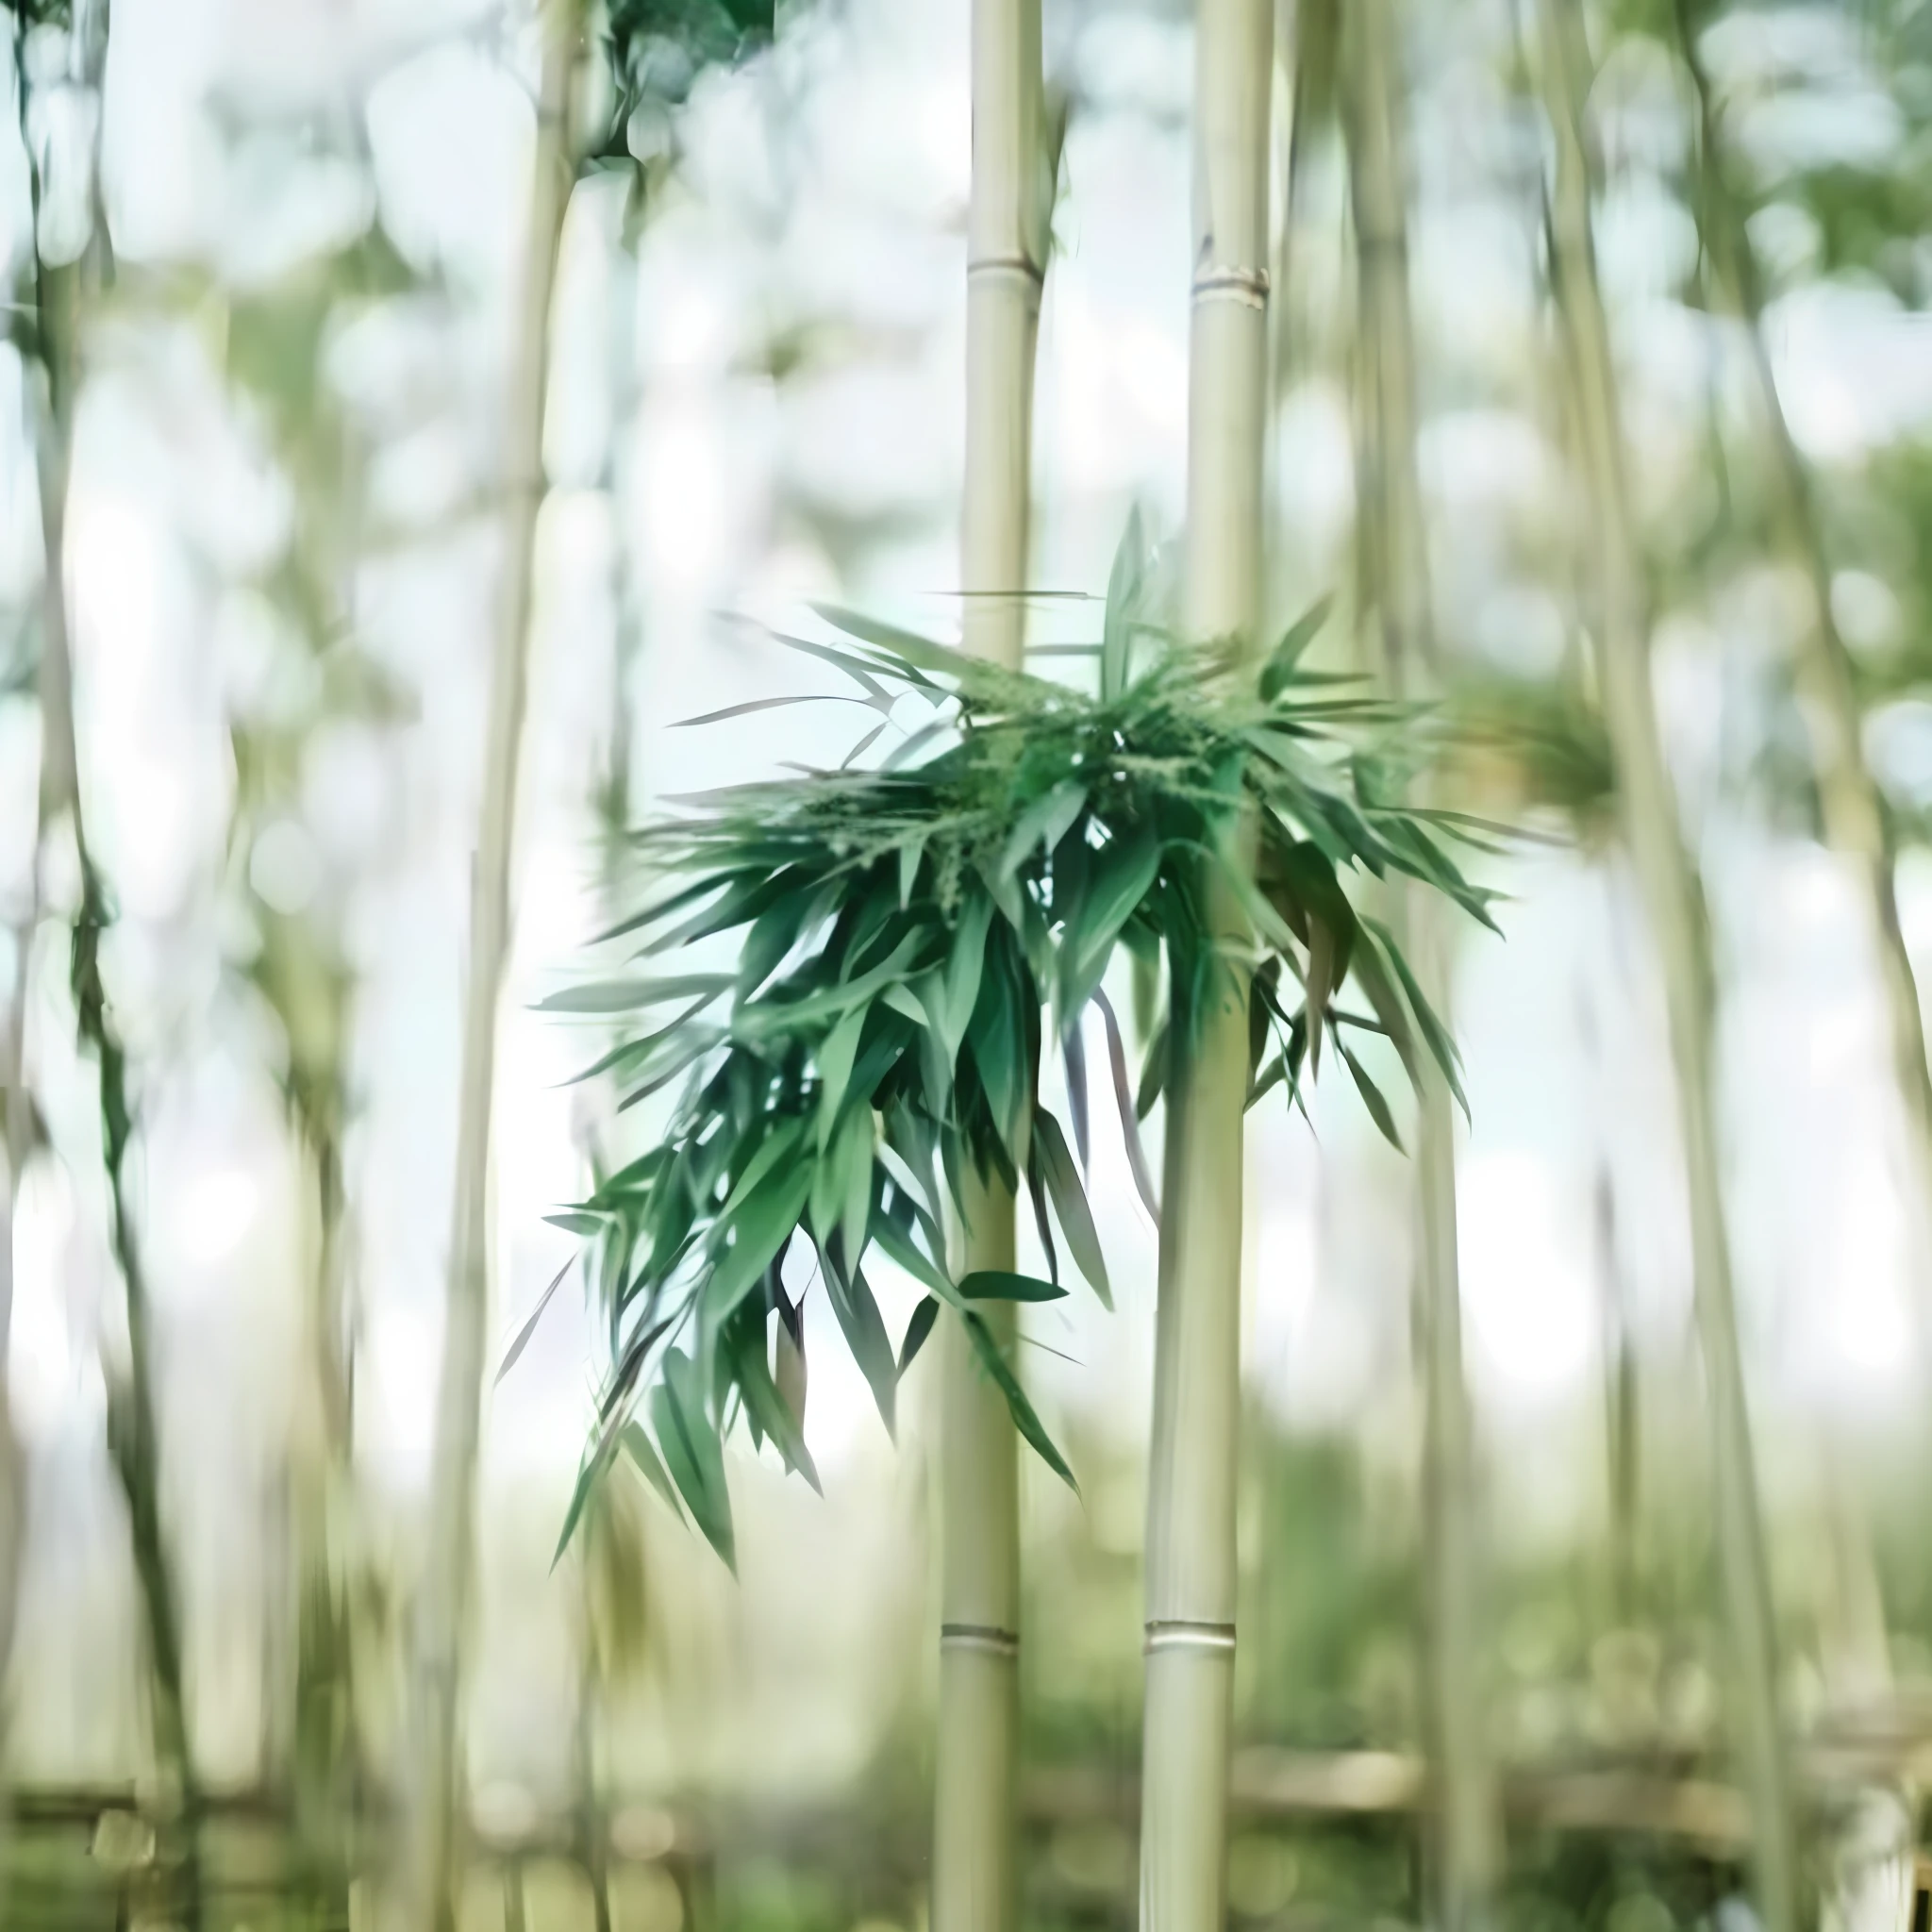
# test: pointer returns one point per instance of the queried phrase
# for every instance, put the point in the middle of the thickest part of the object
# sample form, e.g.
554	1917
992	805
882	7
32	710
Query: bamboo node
1247	286
986	1637
1180	1633
1021	265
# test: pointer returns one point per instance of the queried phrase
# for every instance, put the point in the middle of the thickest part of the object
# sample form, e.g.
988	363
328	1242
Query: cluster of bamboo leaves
914	936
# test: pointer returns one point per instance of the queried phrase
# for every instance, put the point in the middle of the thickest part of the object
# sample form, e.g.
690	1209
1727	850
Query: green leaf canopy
910	934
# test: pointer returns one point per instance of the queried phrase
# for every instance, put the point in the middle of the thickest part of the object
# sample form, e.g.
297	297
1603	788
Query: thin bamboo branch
458	1420
1669	884
1850	803
974	1869
1191	1562
1462	1815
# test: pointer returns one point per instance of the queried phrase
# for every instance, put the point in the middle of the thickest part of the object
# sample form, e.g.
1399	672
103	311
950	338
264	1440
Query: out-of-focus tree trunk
1852	810
1396	600
435	1796
1667	881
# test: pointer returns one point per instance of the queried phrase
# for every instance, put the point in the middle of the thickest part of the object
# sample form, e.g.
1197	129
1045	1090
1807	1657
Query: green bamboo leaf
1372	1098
692	1453
765	1407
900	1247
1122	872
836	1057
924	1316
1024	1420
626	995
1440	1046
854	1167
522	1340
965	968
643	1452
1124	585
589	1474
1044	823
1278	672
1070	1203
761	1226
1153	1073
998	1285
864	1330
573	1220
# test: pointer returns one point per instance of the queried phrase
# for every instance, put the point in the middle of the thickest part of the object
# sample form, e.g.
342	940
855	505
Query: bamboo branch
1394	593
452	1529
975	1878
1190	1559
1669	883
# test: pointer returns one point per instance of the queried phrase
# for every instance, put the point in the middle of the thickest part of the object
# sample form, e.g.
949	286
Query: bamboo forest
963	965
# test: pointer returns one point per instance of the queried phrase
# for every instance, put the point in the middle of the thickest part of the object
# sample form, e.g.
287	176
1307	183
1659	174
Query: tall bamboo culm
133	1433
974	1875
1465	1835
1191	1486
1669	884
437	1791
1849	801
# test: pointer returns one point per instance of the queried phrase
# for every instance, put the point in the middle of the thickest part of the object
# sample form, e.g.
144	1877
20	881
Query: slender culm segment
1651	828
1849	799
1190	1500
974	1875
437	1788
1394	592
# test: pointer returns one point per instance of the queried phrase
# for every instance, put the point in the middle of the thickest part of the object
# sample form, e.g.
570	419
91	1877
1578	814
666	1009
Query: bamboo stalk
132	1434
459	1419
1850	803
1190	1564
974	1867
1669	884
1462	1813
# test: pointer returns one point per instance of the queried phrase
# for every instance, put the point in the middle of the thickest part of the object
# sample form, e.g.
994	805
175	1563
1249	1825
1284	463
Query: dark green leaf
996	1285
924	1316
1372	1098
1070	1203
1024	1420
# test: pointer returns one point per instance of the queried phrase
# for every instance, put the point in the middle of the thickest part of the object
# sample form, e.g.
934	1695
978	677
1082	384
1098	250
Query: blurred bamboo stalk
974	1867
438	1754
132	1433
1395	593
1191	1562
1850	802
1669	883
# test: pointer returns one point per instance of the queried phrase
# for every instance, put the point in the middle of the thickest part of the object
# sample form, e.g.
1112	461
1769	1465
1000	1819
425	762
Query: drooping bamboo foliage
1667	881
974	1881
1395	599
1191	1561
56	297
910	935
1849	804
437	1783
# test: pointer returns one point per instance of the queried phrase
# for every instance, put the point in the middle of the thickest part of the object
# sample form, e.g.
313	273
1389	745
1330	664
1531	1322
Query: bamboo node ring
1247	286
1019	265
986	1637
1180	1633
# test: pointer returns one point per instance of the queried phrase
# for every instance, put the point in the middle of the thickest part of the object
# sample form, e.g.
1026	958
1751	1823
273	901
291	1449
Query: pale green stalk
1190	1567
1849	800
1463	1816
975	1876
132	1433
437	1785
1667	881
